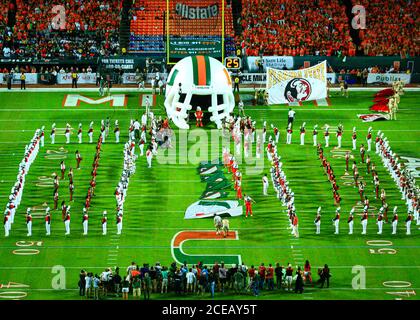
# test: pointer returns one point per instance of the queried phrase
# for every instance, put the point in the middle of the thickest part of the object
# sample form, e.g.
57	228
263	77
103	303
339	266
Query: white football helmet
198	76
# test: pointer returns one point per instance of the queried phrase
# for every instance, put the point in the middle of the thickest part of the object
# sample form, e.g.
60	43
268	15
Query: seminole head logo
297	89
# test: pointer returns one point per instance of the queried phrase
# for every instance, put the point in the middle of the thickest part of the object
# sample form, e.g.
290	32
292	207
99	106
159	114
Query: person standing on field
395	221
48	221
29	222
265	185
317	221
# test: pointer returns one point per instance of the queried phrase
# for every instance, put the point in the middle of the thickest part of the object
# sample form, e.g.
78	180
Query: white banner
298	85
388	78
270	62
84	78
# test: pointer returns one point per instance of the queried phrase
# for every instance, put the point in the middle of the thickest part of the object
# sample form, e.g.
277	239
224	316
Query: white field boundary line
15	89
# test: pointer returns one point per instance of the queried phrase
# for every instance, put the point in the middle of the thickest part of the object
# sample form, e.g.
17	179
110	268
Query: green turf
158	197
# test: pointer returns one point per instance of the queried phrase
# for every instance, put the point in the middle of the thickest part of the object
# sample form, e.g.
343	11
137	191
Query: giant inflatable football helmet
203	76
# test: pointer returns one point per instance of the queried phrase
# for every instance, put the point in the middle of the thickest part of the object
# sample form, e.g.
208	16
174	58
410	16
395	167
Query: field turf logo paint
180	256
116	100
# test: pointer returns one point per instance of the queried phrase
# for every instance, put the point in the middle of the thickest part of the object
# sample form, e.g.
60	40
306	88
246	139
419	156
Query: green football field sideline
157	199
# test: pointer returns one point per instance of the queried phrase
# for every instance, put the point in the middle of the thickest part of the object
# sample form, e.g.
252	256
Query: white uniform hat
53	125
354	129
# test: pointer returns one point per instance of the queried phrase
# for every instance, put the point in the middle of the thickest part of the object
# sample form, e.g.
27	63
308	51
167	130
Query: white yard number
399	285
13	295
359	20
25	248
59	20
381	243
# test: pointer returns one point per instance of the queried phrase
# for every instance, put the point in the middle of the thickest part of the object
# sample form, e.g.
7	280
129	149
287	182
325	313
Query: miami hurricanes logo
180	256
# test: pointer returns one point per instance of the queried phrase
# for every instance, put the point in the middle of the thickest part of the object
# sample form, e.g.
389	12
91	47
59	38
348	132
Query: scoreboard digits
233	63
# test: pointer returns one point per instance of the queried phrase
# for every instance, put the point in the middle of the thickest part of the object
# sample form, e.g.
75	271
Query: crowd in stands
198	279
91	29
390	28
293	28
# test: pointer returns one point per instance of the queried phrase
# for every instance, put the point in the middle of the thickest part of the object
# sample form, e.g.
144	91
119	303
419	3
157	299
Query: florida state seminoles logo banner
285	86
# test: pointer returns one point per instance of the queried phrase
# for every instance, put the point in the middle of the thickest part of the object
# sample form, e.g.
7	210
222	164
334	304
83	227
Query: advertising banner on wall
388	78
84	78
269	62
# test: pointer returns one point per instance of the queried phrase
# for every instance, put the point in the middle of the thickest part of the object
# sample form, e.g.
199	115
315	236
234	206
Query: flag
207	209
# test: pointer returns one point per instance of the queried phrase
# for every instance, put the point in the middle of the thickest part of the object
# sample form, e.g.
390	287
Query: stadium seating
298	27
391	28
91	27
148	25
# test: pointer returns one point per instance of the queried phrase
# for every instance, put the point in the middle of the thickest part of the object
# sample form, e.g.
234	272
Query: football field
368	266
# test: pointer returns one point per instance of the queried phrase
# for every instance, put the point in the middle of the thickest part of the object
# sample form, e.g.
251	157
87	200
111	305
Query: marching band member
369	139
339	135
85	219
317	221
350	221
90	132
117	132
67	133
364	221
289	134
47	221
315	134
29	222
104	222
327	136
395	221
79	133
52	135
336	220
302	134
380	220
354	138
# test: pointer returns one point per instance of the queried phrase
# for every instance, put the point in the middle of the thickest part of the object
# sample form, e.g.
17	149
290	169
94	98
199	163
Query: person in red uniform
238	189
248	205
71	190
362	153
78	159
361	191
63	169
63	209
70	175
56	199
347	161
199	117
